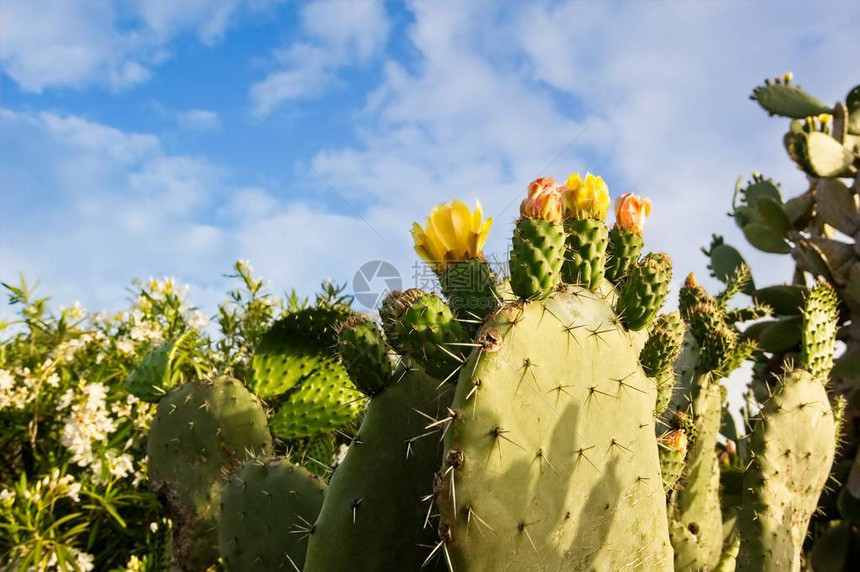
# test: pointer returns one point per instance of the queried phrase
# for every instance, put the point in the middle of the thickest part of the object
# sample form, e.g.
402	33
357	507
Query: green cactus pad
552	462
818	344
319	454
364	355
725	261
792	448
159	370
373	517
325	400
784	300
422	327
622	252
537	255
645	290
267	509
201	431
836	205
282	358
663	345
788	101
470	288
585	260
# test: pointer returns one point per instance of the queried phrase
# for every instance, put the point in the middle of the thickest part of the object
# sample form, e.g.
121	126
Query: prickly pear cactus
201	432
569	477
268	507
373	517
792	448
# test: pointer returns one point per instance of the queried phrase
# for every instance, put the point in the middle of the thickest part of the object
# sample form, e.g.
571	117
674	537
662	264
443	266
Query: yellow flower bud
452	232
585	199
543	202
787	77
631	211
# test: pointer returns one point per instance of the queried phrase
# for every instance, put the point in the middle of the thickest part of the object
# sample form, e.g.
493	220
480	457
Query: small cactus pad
537	255
622	252
373	518
422	326
788	100
792	448
201	431
551	459
158	371
663	345
282	358
470	288
818	343
585	261
645	290
267	509
364	355
325	401
672	448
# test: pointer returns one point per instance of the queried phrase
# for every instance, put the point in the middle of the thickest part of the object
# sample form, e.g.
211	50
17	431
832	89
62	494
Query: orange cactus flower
631	211
543	202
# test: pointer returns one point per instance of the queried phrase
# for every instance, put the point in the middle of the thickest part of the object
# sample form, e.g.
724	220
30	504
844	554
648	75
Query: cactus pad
792	448
325	400
585	261
201	431
364	355
423	328
788	100
537	256
373	518
818	344
645	290
267	509
622	252
552	462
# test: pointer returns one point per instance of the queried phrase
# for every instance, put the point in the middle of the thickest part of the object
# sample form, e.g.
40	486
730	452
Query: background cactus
201	432
819	229
268	507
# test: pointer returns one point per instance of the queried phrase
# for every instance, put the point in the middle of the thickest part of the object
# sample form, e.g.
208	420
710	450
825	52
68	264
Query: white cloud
337	34
79	43
200	120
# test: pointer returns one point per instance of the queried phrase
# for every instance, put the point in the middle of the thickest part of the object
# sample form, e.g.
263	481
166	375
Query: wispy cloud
335	34
80	43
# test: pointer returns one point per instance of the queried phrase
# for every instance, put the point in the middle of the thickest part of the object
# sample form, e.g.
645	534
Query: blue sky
133	136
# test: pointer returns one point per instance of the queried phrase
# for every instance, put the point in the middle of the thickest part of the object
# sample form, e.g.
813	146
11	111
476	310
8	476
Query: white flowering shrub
73	489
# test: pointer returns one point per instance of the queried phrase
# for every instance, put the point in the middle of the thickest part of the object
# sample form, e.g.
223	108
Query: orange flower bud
631	211
543	202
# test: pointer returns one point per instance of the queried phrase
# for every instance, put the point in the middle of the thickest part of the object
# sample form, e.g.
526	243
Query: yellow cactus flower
631	211
824	118
543	202
452	232
585	199
787	77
